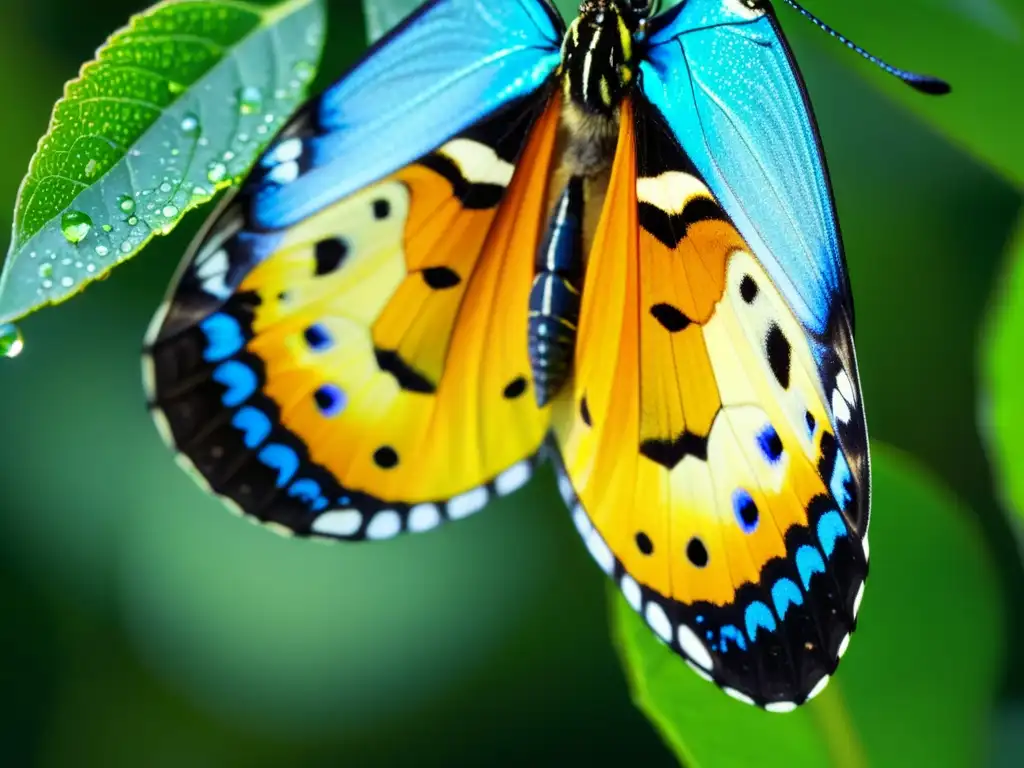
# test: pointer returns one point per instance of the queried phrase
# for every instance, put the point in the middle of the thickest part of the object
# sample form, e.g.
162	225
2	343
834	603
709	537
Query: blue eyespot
318	338
330	399
770	444
746	510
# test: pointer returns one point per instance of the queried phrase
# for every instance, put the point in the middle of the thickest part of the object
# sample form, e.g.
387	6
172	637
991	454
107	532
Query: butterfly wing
697	442
350	361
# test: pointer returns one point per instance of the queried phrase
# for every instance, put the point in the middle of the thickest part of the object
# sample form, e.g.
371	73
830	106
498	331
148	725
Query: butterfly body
613	243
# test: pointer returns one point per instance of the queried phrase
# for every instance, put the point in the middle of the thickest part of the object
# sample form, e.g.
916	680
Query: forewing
697	441
723	78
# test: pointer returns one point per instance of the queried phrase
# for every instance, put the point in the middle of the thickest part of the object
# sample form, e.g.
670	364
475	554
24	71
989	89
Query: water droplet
133	220
175	87
11	341
229	155
107	228
304	71
46	270
243	137
250	99
170	211
200	192
190	123
126	203
47	284
102	250
67	282
165	187
90	168
90	267
75	225
126	247
216	172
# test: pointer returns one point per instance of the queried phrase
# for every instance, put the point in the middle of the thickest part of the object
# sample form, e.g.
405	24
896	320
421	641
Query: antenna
923	83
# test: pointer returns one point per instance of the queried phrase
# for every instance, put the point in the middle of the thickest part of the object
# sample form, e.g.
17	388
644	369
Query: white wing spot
857	599
211	271
285	152
600	552
478	163
845	387
866	547
738	696
582	522
671	191
631	591
343	522
468	503
384	525
818	688
565	488
780	706
513	479
285	173
424	517
700	672
843	645
840	408
658	621
694	648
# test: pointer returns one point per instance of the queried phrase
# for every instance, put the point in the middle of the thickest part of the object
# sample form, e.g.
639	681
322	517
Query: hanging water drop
67	282
102	250
250	100
11	341
170	211
75	225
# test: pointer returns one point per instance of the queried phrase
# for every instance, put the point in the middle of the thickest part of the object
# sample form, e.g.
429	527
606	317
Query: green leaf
175	106
1002	364
916	686
975	45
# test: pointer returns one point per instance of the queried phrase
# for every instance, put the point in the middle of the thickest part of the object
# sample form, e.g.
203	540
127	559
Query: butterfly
498	239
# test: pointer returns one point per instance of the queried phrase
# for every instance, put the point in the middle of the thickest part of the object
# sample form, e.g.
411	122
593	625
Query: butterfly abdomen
555	295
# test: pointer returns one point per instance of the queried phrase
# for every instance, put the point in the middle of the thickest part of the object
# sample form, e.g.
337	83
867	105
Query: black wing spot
585	412
515	388
696	552
385	457
671	319
644	543
748	289
381	209
779	354
330	254
408	378
669	453
440	278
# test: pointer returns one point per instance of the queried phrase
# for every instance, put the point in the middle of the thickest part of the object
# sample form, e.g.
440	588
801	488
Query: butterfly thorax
598	70
598	54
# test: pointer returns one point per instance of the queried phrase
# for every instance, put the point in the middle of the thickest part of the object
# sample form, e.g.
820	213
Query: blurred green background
142	625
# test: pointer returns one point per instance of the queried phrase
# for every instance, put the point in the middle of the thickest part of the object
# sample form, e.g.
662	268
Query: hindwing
364	371
700	441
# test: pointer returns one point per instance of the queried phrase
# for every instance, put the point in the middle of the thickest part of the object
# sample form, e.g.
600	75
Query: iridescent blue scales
499	238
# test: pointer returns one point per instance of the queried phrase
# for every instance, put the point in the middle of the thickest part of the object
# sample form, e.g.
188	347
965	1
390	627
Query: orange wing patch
372	367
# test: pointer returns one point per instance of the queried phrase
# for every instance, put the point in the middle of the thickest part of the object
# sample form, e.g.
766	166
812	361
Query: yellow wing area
385	337
695	440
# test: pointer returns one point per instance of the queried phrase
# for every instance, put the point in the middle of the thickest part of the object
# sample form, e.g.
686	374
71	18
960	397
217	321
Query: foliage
176	106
